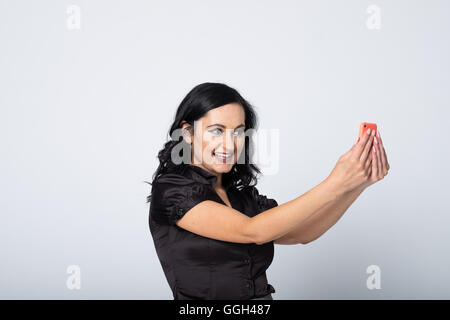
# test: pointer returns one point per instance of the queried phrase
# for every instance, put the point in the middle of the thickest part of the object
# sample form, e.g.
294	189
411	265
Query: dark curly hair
196	104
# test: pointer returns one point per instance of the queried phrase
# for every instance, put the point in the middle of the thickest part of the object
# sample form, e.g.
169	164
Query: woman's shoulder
172	195
262	201
174	187
174	179
177	176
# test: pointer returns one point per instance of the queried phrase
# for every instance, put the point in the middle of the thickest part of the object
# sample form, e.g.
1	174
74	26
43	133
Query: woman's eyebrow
222	126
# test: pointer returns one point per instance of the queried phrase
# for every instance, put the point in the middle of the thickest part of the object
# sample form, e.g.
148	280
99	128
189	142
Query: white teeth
223	155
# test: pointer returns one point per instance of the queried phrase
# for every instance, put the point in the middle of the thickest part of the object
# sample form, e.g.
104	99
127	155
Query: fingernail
368	131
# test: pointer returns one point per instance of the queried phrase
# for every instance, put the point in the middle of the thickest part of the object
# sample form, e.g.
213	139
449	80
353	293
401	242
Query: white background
84	113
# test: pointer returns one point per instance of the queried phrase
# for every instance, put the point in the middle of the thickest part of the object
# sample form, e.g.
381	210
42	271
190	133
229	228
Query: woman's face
219	138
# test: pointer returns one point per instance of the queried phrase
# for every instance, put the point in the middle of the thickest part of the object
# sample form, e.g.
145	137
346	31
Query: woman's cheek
206	146
239	150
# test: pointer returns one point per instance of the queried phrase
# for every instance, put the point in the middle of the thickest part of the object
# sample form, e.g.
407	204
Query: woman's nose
228	140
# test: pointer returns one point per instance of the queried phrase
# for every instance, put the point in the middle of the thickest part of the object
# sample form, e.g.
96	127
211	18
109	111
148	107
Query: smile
222	156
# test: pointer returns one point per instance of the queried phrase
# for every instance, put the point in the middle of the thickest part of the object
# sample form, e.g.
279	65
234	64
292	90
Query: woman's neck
218	184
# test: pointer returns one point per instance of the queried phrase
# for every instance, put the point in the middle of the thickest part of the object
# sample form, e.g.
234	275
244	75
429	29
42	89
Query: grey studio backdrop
89	89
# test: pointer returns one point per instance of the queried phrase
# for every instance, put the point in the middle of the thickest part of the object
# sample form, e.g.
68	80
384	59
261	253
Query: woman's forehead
229	115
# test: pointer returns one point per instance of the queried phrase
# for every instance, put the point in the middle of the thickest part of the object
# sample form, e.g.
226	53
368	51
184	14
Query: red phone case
364	126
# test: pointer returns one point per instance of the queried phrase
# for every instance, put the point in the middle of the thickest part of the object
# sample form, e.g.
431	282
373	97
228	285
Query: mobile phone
364	126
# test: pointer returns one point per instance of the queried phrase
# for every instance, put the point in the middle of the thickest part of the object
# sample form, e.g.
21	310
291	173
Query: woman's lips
222	157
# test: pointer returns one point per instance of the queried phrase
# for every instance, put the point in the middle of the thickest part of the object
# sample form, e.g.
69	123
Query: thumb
354	145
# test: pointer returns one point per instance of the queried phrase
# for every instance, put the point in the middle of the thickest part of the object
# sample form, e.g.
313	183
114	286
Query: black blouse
198	267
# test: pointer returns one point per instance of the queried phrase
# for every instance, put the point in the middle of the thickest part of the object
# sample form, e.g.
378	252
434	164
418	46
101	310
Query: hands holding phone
363	165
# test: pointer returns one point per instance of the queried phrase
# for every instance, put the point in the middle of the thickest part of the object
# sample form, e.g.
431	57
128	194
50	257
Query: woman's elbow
252	232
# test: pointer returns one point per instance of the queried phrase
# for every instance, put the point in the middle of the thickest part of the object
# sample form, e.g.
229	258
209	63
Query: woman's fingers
360	145
379	162
368	163
367	147
380	153
384	158
374	163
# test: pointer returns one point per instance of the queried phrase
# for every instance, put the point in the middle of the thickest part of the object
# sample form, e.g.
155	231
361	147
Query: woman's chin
222	167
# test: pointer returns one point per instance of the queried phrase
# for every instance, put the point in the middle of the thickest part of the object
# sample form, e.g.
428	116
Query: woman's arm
278	221
322	220
214	220
327	216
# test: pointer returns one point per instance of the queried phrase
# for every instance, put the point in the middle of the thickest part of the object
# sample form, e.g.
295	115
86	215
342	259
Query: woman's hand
380	165
355	169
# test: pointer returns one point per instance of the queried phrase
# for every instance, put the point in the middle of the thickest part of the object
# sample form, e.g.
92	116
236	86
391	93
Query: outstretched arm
217	221
214	220
322	220
325	217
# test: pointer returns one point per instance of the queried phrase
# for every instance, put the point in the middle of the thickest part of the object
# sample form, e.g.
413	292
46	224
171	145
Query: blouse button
249	285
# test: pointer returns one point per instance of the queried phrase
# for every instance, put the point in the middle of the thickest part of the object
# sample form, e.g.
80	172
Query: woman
213	232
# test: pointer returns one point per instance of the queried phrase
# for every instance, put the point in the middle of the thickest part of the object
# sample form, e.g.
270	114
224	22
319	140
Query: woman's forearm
275	222
324	218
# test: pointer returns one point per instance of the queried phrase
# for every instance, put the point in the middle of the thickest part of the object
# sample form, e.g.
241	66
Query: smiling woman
219	181
219	137
213	232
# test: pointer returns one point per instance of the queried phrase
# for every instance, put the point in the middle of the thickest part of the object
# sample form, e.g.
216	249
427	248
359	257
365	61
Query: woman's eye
216	131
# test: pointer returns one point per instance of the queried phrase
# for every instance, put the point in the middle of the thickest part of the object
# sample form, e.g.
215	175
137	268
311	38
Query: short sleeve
262	202
172	196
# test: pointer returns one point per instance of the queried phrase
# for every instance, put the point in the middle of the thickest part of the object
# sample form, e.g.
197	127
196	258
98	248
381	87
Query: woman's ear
187	132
